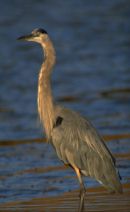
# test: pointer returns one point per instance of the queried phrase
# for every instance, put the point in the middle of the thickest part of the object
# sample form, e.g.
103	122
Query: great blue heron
74	138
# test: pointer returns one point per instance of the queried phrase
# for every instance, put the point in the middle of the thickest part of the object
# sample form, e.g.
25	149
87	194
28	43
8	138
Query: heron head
37	35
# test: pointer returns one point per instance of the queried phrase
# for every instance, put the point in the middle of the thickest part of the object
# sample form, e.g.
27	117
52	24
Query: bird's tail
111	179
104	171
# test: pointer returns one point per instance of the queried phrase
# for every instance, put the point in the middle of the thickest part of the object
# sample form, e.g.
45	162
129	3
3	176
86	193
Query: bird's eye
36	34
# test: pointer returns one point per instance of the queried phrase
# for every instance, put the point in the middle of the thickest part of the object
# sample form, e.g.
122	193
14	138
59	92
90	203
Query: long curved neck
45	99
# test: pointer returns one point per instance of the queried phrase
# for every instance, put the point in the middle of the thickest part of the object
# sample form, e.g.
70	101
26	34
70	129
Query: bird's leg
82	196
82	190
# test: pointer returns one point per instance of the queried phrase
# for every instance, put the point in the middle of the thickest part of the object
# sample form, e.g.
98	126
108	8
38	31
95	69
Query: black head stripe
39	31
42	31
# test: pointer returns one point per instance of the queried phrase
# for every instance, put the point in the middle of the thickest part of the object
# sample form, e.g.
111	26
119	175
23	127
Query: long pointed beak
26	37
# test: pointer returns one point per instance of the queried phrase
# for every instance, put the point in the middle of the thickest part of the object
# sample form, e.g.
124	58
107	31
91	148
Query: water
92	76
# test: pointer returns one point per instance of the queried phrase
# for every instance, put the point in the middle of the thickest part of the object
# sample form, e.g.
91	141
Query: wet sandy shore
97	200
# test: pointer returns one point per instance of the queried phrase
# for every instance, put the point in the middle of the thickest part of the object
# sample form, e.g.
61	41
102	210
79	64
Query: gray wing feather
77	133
77	143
